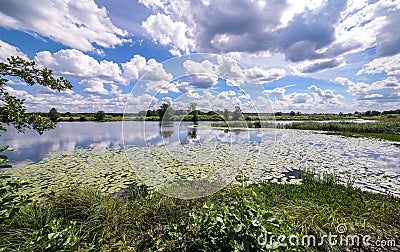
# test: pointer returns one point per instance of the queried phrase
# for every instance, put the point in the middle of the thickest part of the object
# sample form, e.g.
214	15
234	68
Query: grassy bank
388	130
82	219
369	127
383	129
390	137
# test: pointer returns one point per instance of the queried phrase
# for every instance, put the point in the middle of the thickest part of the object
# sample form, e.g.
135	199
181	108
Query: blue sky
308	56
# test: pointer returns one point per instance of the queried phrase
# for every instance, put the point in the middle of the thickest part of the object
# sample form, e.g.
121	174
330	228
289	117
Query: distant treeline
67	114
218	115
397	111
210	113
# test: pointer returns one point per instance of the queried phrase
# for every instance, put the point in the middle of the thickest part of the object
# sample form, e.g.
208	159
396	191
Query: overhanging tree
13	112
12	109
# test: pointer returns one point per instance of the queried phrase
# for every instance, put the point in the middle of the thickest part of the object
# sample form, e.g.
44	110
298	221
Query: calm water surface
67	136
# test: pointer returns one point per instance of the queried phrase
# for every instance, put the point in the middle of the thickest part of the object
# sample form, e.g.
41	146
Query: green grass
369	127
390	137
83	219
388	129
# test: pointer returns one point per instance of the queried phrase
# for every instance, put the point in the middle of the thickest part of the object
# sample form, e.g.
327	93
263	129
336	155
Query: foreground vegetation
83	219
13	112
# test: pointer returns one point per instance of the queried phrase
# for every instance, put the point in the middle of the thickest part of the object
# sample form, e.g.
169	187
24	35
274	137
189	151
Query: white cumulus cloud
7	50
74	23
74	63
166	31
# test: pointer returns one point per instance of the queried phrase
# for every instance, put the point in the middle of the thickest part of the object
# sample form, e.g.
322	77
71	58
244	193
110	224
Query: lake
31	147
371	163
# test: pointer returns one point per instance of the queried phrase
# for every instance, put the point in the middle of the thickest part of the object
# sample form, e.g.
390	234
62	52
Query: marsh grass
388	129
385	129
390	137
83	219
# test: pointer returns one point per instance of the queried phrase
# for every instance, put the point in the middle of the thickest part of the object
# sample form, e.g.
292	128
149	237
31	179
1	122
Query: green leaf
237	228
255	223
51	235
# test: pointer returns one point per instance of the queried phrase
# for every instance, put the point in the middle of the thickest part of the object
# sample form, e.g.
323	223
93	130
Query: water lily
372	164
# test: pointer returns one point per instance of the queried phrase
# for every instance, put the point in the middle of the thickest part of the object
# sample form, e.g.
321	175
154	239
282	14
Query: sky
313	56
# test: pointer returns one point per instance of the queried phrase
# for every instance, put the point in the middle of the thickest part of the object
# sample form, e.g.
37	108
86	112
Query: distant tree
13	112
169	114
194	112
195	118
165	112
151	113
237	114
226	115
375	113
192	106
54	115
67	114
161	111
100	115
278	114
292	113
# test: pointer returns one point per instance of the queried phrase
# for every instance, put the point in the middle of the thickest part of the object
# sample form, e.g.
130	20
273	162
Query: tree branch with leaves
13	112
